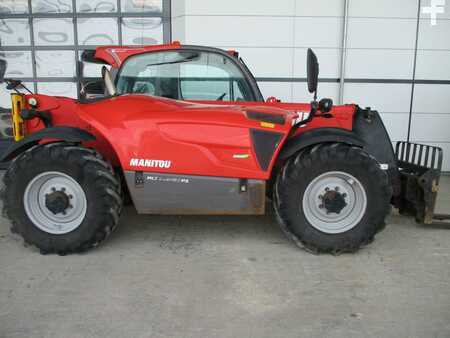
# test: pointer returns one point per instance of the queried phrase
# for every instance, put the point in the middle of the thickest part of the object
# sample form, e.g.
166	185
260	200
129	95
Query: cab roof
116	55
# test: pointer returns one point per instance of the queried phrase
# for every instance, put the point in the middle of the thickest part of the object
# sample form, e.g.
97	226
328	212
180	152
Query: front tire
62	198
332	198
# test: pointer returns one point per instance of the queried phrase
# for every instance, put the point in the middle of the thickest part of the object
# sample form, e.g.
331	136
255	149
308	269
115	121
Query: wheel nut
327	189
321	197
321	206
63	189
70	196
344	195
337	188
70	206
53	189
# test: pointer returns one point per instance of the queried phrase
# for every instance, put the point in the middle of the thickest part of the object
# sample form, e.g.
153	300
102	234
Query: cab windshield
184	75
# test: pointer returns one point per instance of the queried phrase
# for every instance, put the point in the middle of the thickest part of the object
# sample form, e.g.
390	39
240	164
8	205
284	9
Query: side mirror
3	65
109	83
312	70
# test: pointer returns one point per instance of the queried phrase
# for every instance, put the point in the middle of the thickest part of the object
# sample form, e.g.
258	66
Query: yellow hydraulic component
18	102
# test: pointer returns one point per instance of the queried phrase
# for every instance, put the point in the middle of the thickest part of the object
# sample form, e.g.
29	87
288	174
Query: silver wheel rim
38	190
349	188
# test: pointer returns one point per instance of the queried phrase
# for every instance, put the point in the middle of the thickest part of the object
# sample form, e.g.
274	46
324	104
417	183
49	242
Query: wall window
43	44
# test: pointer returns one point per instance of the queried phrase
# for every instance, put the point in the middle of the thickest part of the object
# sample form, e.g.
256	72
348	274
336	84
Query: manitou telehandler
185	130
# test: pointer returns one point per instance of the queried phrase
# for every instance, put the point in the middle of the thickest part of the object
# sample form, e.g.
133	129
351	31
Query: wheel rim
334	202
55	202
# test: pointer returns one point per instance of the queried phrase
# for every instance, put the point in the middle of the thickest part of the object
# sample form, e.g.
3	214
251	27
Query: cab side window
185	75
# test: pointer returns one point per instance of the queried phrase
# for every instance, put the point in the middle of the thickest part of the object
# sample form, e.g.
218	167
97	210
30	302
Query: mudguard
319	135
369	126
69	134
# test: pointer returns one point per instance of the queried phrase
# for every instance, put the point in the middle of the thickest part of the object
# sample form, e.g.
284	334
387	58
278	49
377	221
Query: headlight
32	102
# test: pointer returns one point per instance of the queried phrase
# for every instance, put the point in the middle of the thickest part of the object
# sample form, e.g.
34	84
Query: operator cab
184	75
188	73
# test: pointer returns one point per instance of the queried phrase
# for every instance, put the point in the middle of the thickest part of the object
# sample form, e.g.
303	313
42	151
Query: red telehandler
185	130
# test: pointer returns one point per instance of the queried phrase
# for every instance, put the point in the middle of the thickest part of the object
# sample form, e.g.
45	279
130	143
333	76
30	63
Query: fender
369	126
319	135
69	134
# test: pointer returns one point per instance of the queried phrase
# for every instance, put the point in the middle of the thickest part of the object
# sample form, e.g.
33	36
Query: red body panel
147	133
342	115
192	138
115	55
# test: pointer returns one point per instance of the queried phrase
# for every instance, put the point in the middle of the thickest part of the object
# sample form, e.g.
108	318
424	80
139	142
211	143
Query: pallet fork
420	171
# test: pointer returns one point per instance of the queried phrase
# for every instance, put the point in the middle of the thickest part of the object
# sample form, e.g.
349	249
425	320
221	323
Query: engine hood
121	110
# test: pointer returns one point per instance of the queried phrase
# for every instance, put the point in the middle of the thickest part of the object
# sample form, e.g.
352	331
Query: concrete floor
228	277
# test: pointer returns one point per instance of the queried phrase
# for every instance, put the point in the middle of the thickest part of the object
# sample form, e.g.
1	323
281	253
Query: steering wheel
220	98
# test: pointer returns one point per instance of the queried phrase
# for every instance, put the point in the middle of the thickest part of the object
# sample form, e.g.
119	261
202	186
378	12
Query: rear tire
332	198
62	198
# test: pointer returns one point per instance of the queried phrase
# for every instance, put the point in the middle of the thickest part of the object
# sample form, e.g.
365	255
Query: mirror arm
312	115
15	84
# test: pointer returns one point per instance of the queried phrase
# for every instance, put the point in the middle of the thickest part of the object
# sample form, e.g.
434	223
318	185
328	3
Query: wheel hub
57	202
333	201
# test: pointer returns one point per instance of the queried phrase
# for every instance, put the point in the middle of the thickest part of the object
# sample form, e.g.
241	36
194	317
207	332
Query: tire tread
306	160
91	162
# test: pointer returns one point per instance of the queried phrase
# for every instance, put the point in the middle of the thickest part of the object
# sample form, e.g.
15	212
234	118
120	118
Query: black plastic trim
266	117
320	135
265	143
89	56
369	126
69	134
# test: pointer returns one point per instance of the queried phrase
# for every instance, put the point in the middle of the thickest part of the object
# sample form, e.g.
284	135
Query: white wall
272	36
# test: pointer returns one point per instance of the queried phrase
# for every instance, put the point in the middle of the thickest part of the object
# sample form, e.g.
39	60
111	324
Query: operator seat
168	87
